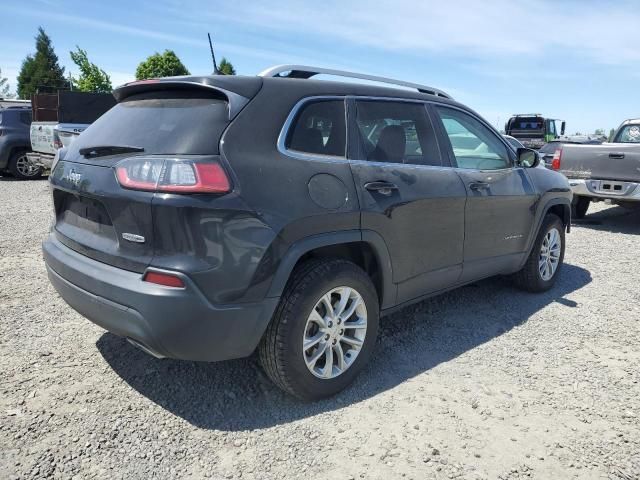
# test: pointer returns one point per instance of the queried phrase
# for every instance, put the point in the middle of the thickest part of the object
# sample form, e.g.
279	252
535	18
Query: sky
576	60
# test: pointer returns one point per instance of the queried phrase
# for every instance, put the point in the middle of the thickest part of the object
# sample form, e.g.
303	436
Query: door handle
383	188
475	186
616	155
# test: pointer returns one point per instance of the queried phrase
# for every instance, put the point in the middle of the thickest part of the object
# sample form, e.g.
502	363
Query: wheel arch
558	206
366	249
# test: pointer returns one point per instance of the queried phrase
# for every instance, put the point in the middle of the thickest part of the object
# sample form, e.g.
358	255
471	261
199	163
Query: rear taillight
57	143
557	158
164	279
172	175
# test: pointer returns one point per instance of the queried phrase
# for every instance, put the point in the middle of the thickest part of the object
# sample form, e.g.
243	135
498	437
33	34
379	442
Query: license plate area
84	214
611	187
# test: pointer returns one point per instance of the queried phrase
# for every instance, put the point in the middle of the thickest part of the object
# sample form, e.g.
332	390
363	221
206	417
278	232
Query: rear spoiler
237	100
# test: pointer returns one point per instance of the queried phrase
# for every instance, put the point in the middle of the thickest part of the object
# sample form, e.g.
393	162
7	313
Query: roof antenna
213	56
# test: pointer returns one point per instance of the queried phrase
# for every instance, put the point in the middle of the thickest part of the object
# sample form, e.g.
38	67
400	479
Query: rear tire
340	341
543	266
21	168
580	206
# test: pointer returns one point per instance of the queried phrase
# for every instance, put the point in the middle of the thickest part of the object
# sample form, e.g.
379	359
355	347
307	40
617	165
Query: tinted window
527	123
474	145
319	129
179	122
25	117
396	132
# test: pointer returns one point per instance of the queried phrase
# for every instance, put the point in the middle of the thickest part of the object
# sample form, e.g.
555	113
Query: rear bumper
41	159
166	322
606	189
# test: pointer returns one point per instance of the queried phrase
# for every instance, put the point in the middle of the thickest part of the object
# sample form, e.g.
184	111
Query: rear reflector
557	158
172	175
165	279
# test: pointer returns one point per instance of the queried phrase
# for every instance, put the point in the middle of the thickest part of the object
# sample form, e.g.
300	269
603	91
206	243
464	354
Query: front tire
22	168
543	266
323	331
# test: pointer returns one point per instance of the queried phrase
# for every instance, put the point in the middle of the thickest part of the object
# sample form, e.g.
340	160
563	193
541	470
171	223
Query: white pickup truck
59	118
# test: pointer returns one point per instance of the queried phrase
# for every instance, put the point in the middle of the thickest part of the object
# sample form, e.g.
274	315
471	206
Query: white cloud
603	33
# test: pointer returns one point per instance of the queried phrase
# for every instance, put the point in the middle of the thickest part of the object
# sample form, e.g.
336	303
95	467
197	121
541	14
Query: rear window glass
319	129
25	117
527	123
629	134
161	123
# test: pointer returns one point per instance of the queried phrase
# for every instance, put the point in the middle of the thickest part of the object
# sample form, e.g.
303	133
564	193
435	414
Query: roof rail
302	71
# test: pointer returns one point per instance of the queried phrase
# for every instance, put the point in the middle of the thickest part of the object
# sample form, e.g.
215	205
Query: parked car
59	118
241	218
14	142
603	172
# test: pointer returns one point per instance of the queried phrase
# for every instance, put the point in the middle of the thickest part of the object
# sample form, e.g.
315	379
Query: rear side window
319	129
25	117
170	122
396	132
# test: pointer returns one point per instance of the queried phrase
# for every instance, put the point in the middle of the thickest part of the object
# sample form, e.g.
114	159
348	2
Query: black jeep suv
205	218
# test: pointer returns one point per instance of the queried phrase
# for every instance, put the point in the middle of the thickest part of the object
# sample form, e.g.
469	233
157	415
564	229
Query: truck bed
609	161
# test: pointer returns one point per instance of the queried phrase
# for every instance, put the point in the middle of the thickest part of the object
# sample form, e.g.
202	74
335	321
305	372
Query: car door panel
500	206
420	218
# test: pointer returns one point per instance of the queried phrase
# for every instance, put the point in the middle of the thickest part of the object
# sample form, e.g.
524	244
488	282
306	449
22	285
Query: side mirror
562	125
528	158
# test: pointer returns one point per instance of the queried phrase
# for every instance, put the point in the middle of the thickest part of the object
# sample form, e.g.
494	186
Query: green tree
42	70
158	65
599	131
4	86
92	78
226	67
612	132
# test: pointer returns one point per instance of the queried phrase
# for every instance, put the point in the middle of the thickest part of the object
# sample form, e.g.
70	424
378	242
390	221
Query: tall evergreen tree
226	67
4	85
42	70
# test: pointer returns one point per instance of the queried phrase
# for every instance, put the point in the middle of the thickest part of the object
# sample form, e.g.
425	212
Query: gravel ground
483	382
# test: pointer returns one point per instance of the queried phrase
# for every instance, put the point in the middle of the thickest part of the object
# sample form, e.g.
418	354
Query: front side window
474	145
396	132
319	129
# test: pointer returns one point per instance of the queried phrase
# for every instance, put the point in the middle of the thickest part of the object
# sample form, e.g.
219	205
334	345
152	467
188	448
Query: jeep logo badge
73	177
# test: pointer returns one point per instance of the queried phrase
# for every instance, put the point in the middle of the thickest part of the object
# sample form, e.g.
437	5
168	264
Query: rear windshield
629	134
527	123
179	122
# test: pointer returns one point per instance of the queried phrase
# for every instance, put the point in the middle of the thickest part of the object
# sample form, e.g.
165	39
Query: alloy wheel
549	258
335	332
25	167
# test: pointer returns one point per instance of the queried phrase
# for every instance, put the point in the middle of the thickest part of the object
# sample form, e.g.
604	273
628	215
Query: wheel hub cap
549	258
335	332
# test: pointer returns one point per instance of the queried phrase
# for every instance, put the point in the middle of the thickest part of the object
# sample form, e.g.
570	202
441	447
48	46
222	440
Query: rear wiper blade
103	150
